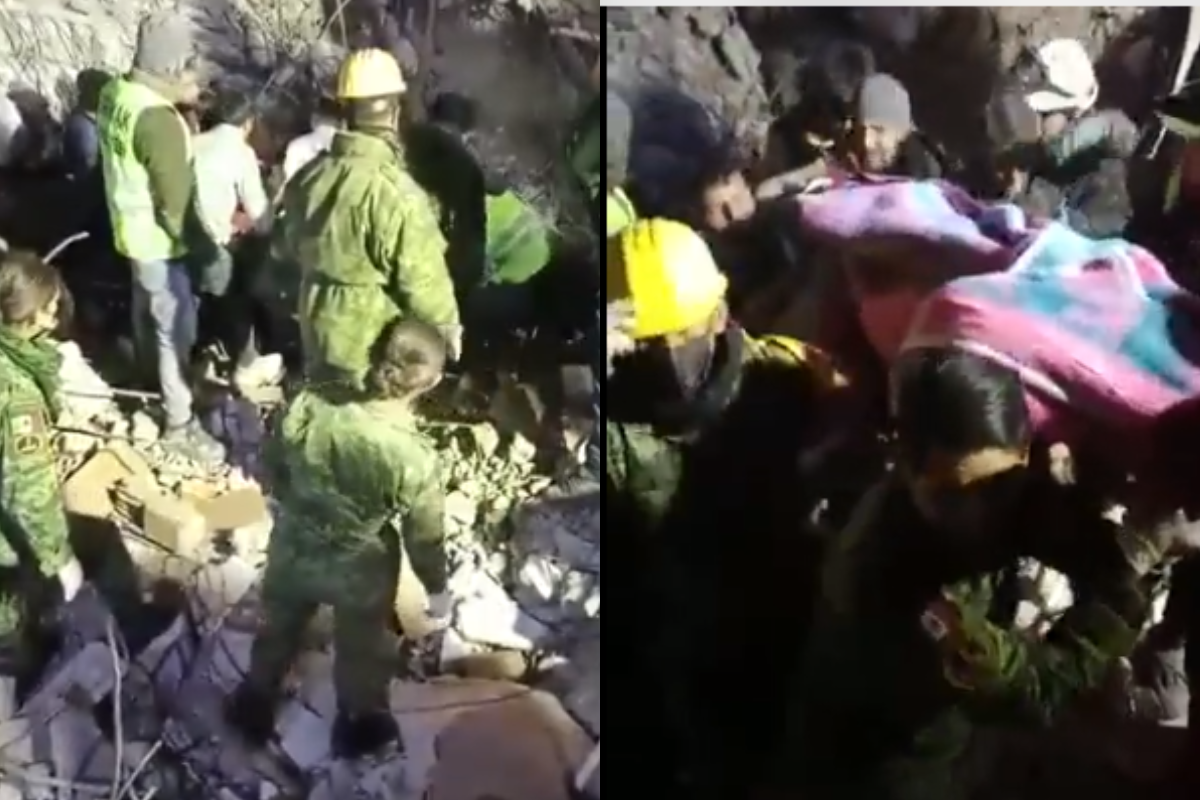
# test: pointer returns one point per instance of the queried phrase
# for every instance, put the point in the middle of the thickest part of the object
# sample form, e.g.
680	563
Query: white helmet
1067	81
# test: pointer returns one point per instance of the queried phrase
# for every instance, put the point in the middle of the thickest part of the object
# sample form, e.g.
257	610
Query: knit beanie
166	44
883	100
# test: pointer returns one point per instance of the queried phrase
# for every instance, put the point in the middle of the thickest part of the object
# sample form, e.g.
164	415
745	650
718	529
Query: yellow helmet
667	272
369	73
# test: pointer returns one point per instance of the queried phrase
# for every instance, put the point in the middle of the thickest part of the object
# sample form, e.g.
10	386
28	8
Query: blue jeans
164	315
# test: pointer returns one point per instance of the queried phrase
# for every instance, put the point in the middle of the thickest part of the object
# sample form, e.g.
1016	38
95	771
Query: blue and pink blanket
1102	335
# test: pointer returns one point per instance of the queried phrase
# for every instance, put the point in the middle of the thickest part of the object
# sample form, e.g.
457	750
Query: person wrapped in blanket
708	496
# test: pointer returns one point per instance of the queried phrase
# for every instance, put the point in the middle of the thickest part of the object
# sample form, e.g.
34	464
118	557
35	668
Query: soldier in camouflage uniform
913	641
363	233
33	522
351	472
707	494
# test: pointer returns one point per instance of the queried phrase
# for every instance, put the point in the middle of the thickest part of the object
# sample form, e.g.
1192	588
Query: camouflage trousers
361	589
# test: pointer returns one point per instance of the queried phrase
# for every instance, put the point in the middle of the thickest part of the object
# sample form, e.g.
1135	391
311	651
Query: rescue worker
352	474
1060	84
33	522
232	203
923	581
146	150
363	232
704	430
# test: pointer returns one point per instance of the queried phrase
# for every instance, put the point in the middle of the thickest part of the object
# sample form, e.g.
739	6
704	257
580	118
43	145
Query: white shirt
227	177
11	127
304	149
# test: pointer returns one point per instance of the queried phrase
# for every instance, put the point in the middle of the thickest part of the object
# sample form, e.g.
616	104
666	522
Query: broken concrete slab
240	517
88	492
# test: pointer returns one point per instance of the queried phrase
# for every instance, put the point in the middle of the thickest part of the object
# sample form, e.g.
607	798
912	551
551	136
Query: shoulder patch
28	429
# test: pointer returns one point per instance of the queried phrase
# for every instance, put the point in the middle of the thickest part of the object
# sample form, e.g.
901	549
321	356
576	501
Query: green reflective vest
618	212
518	242
136	232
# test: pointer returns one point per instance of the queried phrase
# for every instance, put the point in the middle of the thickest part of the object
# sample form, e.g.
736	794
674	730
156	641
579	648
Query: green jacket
343	469
518	240
367	242
909	650
30	500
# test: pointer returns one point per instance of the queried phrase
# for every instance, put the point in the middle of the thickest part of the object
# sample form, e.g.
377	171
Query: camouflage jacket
30	501
344	469
909	650
369	250
644	464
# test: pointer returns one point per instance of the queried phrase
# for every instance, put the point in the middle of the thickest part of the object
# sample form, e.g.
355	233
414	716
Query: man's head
1014	131
1060	83
166	51
723	196
666	273
370	89
235	108
963	433
882	121
32	295
89	83
408	360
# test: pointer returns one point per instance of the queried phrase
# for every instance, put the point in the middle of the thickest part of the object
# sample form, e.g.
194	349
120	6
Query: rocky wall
742	64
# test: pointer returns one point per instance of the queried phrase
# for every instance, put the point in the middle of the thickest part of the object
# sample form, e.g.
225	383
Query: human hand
453	334
618	328
438	609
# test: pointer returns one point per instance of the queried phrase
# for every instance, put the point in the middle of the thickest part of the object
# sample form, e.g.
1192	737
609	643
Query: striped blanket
1099	331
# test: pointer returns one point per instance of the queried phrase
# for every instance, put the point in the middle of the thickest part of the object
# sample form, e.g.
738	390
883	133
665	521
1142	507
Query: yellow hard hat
369	73
666	271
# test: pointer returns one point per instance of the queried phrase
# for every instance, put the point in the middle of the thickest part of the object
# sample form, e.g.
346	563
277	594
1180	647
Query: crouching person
922	580
347	463
32	518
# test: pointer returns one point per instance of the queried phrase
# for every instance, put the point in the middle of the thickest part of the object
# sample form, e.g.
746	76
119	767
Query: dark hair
1010	122
89	83
27	285
454	110
831	81
231	107
949	400
409	356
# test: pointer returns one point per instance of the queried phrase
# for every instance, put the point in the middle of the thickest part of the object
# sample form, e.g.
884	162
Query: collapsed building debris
526	583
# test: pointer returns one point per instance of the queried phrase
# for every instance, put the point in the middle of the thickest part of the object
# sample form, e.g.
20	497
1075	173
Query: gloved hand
438	608
618	324
1148	537
453	335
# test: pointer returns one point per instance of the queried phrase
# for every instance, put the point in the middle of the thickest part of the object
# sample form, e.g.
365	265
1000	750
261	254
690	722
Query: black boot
251	711
355	736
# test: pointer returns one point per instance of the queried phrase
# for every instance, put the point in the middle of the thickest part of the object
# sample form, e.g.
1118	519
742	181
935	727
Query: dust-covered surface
524	634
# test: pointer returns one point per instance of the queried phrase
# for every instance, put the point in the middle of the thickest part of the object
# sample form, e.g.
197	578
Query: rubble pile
525	580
